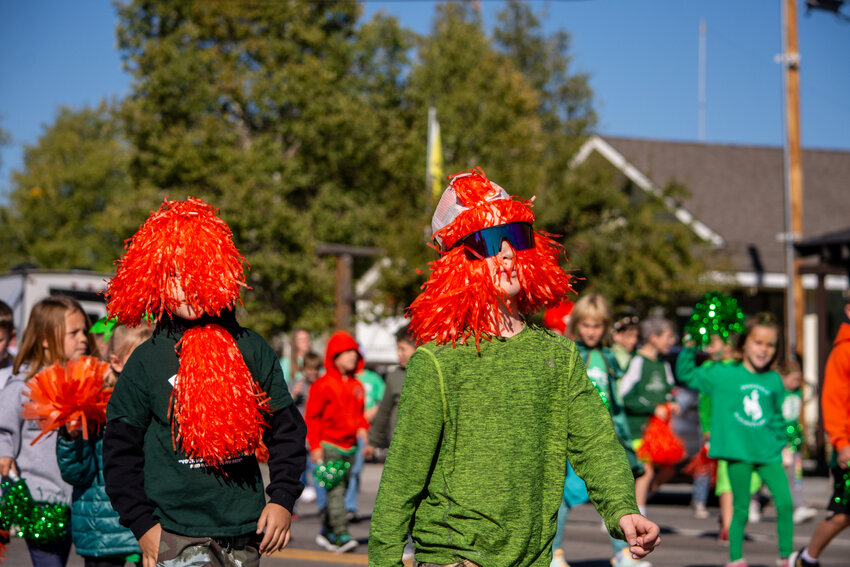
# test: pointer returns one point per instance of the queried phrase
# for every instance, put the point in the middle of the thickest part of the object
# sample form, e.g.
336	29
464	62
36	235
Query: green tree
625	243
281	115
60	211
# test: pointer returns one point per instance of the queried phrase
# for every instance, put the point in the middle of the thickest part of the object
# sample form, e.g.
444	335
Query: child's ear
116	363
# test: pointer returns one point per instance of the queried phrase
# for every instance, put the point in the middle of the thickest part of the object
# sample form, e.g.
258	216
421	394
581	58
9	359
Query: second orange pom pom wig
460	299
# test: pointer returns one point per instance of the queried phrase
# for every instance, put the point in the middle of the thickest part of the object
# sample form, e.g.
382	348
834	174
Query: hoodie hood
843	334
341	342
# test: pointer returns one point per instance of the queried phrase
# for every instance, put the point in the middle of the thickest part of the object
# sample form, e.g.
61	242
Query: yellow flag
434	168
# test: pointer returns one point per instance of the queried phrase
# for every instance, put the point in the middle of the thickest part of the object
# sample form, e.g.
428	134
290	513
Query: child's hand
149	544
641	534
787	456
73	428
274	521
844	457
7	464
317	455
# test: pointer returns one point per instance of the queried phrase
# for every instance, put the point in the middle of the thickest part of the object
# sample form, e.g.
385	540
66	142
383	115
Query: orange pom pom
660	445
74	392
217	405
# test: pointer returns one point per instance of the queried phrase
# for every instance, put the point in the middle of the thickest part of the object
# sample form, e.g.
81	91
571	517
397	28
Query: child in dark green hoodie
196	401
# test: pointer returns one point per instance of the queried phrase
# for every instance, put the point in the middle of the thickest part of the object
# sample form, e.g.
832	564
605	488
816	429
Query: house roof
737	192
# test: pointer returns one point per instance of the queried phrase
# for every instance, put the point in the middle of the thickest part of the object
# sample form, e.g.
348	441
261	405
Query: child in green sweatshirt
747	427
492	406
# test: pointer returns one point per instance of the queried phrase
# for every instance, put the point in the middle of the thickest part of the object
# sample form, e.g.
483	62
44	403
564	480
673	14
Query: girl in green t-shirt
747	427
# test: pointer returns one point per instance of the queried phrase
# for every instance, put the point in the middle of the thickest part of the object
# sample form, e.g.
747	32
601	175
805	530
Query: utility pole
701	86
795	300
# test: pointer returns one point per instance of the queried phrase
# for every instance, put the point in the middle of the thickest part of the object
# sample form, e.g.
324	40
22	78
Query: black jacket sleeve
285	440
123	471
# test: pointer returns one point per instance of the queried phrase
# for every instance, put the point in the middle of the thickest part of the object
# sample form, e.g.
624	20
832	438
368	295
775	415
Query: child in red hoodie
335	420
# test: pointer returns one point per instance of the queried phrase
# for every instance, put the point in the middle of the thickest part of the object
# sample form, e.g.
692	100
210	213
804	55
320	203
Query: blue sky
641	56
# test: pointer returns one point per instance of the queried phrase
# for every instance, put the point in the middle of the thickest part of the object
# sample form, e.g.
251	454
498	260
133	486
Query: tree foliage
623	242
306	125
63	210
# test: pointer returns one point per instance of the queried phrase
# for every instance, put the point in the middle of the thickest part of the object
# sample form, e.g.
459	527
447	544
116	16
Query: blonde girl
57	332
121	345
589	327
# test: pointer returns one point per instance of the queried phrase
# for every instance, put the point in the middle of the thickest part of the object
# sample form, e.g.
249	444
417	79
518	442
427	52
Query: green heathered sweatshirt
746	409
476	466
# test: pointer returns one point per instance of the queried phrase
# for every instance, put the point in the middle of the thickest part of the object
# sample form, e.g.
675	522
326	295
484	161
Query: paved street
687	542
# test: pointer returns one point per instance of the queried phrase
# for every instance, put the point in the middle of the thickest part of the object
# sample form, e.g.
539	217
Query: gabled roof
736	192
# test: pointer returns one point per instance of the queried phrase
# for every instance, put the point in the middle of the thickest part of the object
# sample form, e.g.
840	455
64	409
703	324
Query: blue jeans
702	484
354	479
54	554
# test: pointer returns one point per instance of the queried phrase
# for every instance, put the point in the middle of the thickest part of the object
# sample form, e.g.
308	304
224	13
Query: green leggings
773	475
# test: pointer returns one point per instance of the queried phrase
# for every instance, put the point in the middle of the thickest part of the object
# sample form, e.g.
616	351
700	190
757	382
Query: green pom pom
37	522
714	314
330	474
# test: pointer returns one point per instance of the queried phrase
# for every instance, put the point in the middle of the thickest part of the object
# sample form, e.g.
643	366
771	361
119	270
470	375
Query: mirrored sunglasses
487	242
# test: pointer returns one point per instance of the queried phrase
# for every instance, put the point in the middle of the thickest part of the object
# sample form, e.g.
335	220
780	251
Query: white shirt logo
753	414
752	407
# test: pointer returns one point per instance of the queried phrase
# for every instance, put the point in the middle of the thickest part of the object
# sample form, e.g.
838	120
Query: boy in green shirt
196	401
492	406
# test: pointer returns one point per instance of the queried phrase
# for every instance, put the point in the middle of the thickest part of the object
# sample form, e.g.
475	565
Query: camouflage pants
334	518
182	551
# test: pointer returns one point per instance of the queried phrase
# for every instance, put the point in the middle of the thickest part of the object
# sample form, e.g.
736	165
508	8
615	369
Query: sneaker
796	560
755	511
336	543
700	513
783	562
353	517
624	559
804	514
737	563
558	559
308	494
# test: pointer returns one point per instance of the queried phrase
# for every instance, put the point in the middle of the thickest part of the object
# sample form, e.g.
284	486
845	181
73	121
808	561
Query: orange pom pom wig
461	297
183	260
184	243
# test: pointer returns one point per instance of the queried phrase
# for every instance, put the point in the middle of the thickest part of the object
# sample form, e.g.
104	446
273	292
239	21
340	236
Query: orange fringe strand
701	464
186	241
660	445
60	394
216	404
460	299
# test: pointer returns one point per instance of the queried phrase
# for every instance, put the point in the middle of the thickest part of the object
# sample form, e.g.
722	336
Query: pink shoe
737	563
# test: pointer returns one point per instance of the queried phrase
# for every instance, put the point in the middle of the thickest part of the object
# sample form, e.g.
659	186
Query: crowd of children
591	399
